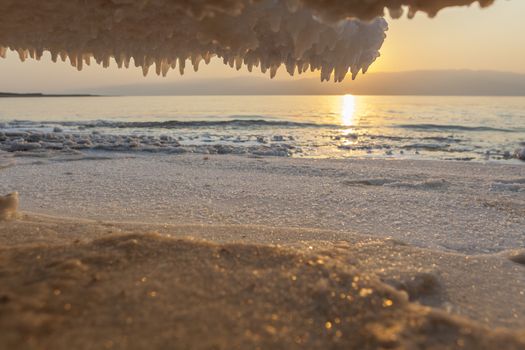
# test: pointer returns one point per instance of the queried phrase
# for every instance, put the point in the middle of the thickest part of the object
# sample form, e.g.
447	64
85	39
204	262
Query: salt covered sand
453	206
120	251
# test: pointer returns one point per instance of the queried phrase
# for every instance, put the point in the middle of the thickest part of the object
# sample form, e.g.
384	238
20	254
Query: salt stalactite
299	34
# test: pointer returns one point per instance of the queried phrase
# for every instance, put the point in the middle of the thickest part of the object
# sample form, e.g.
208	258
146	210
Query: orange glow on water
348	110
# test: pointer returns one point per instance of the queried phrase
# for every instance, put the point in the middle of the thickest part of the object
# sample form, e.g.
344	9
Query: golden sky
458	38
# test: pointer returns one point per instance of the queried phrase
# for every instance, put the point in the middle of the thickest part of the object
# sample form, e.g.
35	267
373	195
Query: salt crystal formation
8	206
301	34
520	154
369	9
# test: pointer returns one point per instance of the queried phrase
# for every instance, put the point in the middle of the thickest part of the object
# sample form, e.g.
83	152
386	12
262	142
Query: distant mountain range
431	83
38	94
449	82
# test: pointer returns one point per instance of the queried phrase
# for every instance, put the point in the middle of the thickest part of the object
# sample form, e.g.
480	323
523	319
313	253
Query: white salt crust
300	34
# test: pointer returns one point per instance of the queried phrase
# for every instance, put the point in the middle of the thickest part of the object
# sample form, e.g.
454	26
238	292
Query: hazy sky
459	38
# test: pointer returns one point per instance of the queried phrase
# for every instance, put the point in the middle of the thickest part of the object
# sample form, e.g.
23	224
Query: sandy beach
237	252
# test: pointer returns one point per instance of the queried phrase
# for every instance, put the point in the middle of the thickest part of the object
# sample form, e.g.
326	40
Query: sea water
427	127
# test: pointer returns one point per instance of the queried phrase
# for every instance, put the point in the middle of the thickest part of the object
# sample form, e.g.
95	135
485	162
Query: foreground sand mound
153	292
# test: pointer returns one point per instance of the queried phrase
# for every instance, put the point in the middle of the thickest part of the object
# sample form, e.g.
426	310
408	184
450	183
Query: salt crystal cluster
8	206
369	9
167	33
520	154
299	34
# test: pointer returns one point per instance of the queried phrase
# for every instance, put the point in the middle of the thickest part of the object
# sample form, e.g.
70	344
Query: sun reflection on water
348	110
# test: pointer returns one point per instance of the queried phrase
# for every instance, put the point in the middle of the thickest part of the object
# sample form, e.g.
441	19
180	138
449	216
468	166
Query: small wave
456	128
405	138
427	146
178	124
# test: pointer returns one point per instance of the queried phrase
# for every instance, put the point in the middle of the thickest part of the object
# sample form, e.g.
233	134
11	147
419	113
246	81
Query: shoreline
38	94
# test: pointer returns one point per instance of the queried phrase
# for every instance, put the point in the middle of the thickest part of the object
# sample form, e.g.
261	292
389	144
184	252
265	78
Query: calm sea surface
464	128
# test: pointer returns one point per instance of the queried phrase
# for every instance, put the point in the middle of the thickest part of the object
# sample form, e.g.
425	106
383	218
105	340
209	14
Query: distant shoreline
38	94
411	83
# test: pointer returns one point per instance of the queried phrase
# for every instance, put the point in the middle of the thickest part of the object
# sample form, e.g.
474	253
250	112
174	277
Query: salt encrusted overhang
369	9
320	35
